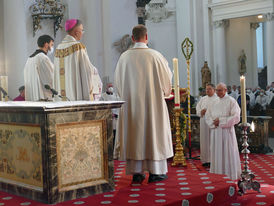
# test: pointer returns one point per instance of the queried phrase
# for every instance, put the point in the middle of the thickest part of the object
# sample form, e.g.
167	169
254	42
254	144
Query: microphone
54	92
4	92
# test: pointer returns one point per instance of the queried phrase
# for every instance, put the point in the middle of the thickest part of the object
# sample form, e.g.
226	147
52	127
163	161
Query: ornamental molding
269	16
254	25
228	9
156	11
221	24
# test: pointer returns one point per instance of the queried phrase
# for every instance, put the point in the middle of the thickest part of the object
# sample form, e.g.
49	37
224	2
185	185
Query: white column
15	44
270	47
183	20
252	80
208	51
219	45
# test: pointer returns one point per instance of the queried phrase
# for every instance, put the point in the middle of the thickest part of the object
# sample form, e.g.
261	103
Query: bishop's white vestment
224	158
204	103
75	77
38	72
143	79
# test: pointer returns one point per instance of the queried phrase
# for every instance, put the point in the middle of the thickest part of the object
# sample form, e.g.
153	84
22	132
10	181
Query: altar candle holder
179	157
246	181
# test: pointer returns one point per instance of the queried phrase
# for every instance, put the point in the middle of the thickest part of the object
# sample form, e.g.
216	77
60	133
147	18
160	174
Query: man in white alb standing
201	109
221	118
143	79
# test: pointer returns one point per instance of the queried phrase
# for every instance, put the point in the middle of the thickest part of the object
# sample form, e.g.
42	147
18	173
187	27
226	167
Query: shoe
138	178
207	164
156	178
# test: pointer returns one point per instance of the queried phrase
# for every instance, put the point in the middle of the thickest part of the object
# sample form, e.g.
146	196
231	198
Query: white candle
4	85
243	99
176	83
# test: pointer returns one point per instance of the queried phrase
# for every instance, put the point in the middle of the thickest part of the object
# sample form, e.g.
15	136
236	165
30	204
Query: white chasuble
38	72
204	103
75	77
143	79
224	158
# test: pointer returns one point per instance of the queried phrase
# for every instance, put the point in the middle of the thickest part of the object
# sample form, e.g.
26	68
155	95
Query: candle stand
179	158
246	181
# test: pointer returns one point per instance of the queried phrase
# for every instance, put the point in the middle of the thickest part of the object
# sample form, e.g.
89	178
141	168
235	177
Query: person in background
262	100
110	95
21	96
38	71
234	93
221	118
201	109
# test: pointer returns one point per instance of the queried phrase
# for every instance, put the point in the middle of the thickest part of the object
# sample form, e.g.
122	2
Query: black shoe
156	178
138	178
207	164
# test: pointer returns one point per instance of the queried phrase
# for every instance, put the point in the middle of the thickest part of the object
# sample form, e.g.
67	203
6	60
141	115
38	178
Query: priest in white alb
201	109
75	78
143	79
221	118
39	71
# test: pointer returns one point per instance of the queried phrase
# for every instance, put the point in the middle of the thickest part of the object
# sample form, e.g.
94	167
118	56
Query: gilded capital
254	25
221	23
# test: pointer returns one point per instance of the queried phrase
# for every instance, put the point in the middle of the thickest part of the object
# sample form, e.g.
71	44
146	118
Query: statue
242	63
123	44
206	75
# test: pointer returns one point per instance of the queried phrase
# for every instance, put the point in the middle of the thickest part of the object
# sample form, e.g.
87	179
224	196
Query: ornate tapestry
80	155
21	155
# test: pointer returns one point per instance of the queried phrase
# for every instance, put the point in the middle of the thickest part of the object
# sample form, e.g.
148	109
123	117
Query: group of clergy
218	144
143	80
72	76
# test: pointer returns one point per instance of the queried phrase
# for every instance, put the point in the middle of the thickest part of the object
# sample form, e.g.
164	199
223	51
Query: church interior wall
123	18
106	22
236	42
2	59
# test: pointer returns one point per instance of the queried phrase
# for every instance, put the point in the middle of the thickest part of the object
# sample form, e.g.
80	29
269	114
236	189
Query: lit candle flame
252	127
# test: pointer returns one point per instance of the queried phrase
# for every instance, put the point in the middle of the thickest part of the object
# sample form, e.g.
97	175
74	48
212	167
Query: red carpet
192	185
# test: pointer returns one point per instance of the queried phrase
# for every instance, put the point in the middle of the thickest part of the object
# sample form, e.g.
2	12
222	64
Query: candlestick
243	99
4	85
176	83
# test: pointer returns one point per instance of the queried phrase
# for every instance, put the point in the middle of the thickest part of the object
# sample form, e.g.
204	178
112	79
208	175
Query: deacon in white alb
75	77
201	109
39	71
221	118
143	79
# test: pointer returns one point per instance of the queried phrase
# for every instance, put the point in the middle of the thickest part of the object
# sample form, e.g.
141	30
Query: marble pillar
219	45
270	47
254	70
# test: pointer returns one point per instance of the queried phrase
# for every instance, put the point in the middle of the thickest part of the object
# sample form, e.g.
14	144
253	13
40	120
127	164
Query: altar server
221	118
201	109
143	79
75	77
39	71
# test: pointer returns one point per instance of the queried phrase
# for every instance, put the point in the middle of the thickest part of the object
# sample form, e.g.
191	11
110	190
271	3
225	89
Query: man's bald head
221	90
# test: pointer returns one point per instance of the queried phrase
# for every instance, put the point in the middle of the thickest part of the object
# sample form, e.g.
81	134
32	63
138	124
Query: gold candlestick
179	157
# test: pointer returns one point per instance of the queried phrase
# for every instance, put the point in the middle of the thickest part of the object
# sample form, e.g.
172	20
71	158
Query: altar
56	151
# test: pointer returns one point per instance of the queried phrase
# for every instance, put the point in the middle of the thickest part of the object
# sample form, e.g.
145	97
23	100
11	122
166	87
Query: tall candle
243	99
176	83
4	85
